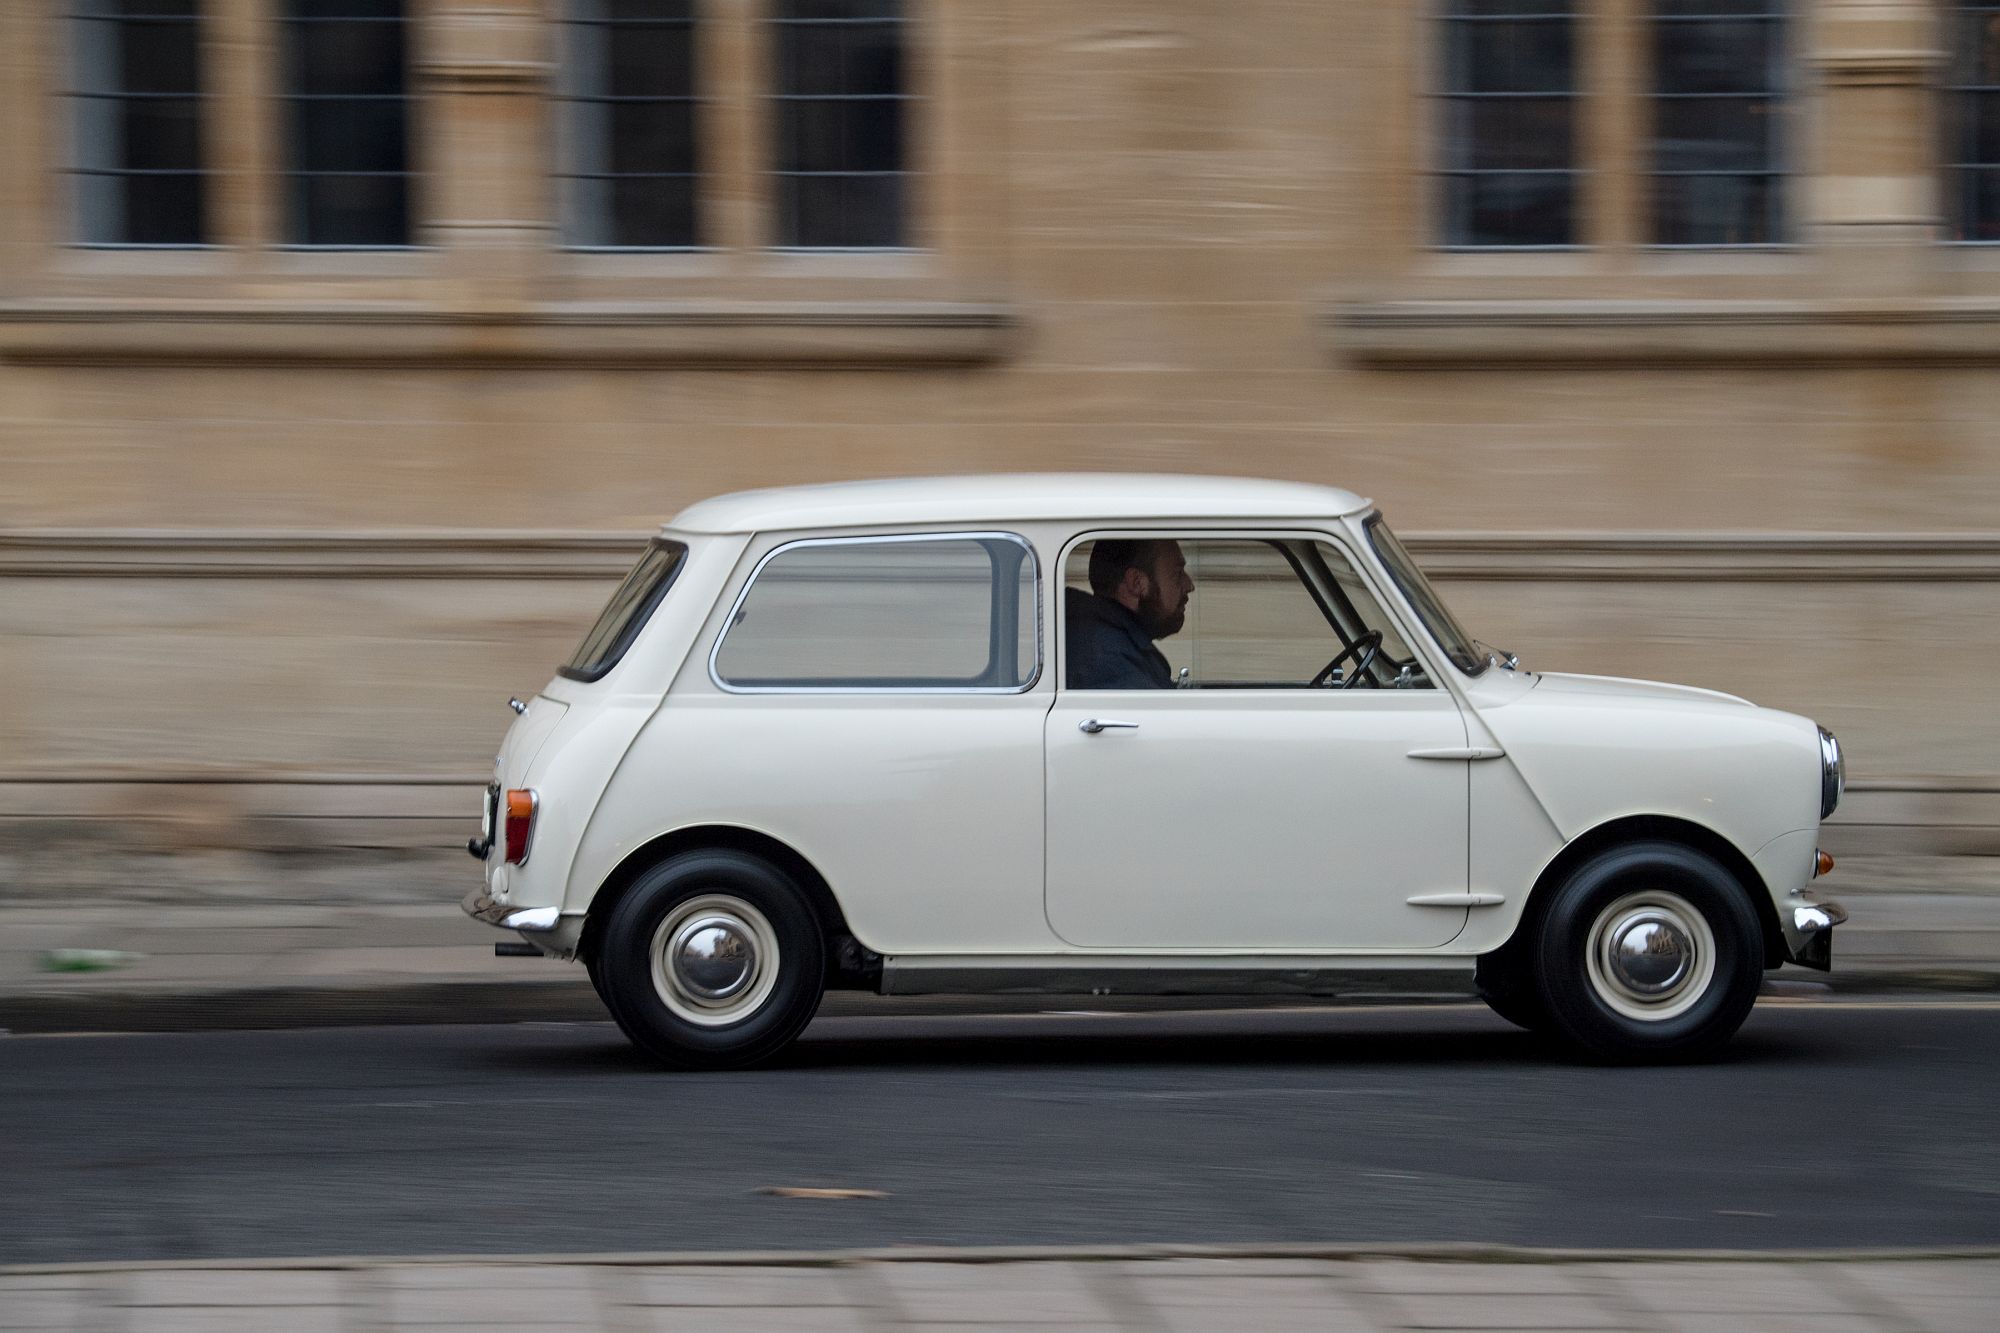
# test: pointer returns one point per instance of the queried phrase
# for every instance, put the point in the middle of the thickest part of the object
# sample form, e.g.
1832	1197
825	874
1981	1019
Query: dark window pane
347	117
351	135
163	134
856	59
139	8
631	124
1499	209
840	9
638	11
1511	57
346	58
1978	127
841	212
162	210
1713	134
1717	57
841	136
352	210
1508	8
651	211
159	57
1717	114
1718	8
651	136
1511	133
652	61
324	9
1978	210
839	114
136	65
1975	46
1715	210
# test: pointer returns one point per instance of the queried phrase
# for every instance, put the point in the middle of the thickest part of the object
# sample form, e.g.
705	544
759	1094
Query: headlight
1832	773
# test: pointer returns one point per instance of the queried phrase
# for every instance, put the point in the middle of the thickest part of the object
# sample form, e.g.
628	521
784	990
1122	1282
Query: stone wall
280	530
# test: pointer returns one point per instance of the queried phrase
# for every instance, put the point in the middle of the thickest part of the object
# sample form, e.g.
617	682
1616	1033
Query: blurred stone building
346	346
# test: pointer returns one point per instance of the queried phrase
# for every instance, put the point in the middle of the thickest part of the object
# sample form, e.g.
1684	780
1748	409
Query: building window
1717	144
345	85
137	99
1972	122
629	122
1508	98
839	112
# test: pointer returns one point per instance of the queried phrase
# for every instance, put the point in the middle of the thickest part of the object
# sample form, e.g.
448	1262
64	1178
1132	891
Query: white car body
1312	840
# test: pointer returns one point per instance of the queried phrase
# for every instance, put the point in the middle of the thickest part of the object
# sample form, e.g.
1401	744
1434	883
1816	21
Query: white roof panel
1021	498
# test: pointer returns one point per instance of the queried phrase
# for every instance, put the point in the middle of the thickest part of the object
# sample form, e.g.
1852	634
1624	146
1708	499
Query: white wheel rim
715	960
1650	956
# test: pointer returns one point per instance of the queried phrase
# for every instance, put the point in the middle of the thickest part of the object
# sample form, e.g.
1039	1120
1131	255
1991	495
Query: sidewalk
1186	1288
244	956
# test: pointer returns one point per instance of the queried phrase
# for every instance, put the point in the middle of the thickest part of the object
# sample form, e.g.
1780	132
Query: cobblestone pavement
973	1291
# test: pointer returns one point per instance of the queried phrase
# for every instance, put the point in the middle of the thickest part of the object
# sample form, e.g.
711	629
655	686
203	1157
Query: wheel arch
846	957
1653	828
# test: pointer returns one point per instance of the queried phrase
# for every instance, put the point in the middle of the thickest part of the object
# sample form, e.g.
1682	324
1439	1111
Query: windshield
627	611
1444	627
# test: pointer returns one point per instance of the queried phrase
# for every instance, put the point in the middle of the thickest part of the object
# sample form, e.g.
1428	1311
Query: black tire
1634	1013
764	925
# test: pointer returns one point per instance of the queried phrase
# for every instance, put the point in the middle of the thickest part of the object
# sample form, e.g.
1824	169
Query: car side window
1226	613
951	612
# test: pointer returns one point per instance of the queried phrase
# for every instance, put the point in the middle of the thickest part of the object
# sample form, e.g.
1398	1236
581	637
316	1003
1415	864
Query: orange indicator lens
521	806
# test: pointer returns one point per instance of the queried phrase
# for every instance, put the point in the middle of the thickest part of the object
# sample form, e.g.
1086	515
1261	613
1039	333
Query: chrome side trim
1178	975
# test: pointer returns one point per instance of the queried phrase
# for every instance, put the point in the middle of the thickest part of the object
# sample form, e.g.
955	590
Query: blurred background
349	349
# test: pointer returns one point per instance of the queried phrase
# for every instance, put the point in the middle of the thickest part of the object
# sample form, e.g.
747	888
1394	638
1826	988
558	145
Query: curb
1463	1252
570	999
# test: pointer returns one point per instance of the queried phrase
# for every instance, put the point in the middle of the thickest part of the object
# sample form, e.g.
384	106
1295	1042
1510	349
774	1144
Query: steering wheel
1371	641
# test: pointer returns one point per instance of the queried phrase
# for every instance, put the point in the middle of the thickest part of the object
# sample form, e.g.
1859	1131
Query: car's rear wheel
712	960
1648	952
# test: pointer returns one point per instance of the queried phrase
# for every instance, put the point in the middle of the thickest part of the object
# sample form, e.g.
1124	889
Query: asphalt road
1827	1124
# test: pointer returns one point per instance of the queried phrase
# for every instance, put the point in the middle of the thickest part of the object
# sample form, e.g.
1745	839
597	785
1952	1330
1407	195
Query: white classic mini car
1131	735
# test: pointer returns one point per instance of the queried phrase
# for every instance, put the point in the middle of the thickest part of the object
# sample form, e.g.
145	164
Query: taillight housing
521	805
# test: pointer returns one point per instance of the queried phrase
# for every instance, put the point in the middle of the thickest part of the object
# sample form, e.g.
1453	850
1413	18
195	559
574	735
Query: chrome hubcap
715	960
713	957
1652	955
1649	954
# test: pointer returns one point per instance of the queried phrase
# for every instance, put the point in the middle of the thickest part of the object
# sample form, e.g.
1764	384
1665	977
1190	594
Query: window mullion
731	72
240	134
1615	58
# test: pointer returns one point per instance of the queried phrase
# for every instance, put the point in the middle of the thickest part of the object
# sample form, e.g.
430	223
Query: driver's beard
1159	620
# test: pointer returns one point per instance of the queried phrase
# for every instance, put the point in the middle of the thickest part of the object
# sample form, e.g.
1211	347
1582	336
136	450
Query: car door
1251	810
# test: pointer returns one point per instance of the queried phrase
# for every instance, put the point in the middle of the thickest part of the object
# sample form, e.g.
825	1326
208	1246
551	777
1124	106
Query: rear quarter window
627	611
951	612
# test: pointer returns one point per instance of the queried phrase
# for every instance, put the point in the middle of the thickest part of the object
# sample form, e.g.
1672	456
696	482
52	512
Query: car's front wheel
1649	952
712	960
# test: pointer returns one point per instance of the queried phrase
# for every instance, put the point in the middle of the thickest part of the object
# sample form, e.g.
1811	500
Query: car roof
1019	498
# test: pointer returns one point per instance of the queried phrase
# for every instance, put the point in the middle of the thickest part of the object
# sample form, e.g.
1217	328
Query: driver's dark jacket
1108	648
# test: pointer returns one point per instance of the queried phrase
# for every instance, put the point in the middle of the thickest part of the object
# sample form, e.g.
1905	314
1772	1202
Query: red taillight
521	806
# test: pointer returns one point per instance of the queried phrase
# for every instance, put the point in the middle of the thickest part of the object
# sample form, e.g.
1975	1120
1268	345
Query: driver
1138	595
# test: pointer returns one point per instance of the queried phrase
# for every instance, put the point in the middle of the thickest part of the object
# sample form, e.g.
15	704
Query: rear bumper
1809	933
544	927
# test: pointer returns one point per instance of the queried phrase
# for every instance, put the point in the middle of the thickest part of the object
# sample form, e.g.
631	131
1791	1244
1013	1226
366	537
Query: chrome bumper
480	907
1809	940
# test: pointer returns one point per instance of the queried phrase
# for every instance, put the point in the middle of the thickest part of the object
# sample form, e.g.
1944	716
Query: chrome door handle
1090	726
